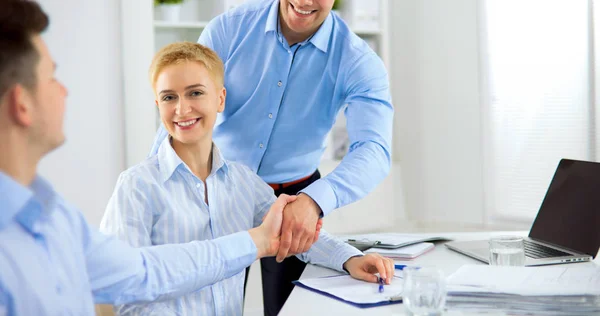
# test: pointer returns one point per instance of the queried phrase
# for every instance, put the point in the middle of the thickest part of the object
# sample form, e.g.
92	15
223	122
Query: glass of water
507	251
424	291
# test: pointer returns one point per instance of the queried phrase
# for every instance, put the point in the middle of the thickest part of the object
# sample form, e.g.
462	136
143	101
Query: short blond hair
181	52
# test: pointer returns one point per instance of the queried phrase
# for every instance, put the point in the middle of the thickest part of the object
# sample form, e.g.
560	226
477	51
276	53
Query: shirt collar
272	17
320	39
169	161
25	204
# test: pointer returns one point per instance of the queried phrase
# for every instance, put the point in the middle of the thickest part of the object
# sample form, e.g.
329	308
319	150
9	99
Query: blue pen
401	266
380	285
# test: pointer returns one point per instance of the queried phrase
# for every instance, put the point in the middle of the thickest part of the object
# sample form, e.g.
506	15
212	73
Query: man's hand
365	267
266	237
298	231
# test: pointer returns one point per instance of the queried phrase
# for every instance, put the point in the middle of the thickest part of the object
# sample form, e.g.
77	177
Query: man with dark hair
18	55
51	261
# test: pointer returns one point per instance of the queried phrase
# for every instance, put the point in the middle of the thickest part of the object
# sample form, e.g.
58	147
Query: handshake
292	225
268	236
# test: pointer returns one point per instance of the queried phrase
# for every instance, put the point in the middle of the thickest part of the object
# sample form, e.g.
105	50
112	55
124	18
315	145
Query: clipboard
388	240
362	245
406	253
392	298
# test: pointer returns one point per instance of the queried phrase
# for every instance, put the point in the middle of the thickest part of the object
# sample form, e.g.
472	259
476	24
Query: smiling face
188	100
302	18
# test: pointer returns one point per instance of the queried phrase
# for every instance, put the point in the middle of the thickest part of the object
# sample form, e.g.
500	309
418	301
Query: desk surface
305	302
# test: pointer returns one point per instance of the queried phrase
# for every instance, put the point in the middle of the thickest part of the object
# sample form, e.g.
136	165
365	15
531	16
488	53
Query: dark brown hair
20	20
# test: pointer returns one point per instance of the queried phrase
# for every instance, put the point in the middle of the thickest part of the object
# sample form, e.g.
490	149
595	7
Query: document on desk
568	279
572	289
353	291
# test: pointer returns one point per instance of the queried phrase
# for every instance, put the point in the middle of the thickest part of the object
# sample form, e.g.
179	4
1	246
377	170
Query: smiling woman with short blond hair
189	191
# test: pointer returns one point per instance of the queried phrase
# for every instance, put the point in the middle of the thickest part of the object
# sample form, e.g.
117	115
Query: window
538	102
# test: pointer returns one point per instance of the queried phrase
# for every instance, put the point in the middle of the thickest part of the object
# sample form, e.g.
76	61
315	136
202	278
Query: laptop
567	226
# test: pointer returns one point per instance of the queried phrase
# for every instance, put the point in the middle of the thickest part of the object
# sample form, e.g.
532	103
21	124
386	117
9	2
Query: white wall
435	88
381	210
437	175
141	113
84	39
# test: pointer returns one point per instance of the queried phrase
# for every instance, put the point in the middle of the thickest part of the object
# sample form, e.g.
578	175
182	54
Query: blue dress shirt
282	102
160	201
53	263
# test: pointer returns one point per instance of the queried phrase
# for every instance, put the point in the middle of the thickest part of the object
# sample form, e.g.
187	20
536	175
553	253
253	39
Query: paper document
567	290
406	252
572	279
390	240
354	291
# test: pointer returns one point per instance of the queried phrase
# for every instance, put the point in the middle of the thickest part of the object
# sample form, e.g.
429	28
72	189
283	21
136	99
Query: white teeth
186	123
302	12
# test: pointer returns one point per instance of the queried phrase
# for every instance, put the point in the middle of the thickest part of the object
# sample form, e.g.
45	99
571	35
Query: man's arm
369	119
120	274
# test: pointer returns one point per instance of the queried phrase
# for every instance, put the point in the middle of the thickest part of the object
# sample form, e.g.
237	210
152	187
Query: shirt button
198	185
261	145
270	115
279	84
58	289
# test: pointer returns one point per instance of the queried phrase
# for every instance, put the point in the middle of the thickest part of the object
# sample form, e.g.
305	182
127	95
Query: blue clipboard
392	300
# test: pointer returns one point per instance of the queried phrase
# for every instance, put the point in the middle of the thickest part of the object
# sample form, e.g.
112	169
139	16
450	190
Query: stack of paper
407	252
556	290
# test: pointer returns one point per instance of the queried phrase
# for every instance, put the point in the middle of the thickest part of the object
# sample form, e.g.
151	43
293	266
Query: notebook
406	252
354	292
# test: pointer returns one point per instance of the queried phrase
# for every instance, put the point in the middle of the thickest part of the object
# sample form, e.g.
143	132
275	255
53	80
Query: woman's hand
266	237
365	267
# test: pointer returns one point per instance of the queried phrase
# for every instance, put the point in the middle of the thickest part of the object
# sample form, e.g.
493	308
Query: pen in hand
381	282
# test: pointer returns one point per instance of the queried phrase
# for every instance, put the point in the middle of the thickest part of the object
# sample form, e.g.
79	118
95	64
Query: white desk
305	302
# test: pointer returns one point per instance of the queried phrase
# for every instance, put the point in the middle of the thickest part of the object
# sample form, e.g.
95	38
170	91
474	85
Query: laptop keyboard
538	251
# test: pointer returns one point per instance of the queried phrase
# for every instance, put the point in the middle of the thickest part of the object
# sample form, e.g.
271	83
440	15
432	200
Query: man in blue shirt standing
290	67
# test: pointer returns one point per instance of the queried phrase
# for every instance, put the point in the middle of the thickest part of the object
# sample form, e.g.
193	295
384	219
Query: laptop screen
570	213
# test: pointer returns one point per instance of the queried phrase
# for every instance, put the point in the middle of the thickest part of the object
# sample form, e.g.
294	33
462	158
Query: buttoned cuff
238	251
322	193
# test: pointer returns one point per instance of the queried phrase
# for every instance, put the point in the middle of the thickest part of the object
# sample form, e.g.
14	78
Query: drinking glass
507	251
424	290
